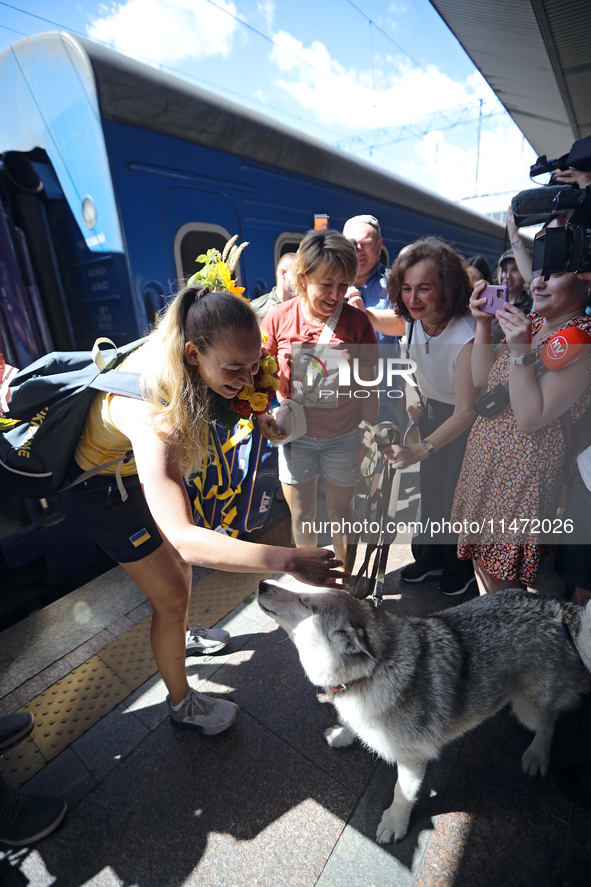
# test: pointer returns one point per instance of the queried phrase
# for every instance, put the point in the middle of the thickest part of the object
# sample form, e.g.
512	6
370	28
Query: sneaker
199	712
454	584
421	569
27	818
15	727
205	640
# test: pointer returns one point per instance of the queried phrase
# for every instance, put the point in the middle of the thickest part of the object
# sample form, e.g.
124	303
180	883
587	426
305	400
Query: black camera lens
561	249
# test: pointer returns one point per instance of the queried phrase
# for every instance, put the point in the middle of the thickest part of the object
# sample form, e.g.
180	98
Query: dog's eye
305	602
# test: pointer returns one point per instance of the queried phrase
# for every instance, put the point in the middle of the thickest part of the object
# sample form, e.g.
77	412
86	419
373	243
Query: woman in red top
326	265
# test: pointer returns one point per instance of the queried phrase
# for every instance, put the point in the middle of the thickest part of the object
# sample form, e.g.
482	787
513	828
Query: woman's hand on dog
316	566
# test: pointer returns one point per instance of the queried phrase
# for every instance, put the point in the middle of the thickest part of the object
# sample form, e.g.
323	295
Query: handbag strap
413	375
329	327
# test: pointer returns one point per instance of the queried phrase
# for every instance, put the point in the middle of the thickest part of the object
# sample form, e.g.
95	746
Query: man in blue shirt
365	235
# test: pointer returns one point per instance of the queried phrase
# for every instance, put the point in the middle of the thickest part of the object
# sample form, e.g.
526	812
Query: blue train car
114	176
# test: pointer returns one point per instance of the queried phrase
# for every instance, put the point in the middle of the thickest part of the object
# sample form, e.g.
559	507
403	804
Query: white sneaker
205	640
201	713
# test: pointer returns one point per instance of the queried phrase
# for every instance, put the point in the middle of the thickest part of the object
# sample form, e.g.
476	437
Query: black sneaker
454	584
27	818
421	569
15	727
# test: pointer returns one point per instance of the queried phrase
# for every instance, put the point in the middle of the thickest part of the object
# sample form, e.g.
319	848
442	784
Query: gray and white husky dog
407	686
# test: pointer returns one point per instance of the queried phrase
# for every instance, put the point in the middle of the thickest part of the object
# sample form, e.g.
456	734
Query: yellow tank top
101	441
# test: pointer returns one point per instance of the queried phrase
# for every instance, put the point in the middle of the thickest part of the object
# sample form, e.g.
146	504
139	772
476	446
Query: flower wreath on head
256	399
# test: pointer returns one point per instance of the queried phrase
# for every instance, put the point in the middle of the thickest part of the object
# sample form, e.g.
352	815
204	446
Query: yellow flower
264	336
270	382
223	272
268	364
246	393
258	401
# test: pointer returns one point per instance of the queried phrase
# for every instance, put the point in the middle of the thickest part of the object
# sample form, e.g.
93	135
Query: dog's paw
339	737
533	763
391	825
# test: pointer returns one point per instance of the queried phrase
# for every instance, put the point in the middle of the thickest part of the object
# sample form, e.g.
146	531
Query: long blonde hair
181	399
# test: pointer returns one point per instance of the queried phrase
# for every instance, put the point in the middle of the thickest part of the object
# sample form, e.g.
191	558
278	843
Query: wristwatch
523	360
428	446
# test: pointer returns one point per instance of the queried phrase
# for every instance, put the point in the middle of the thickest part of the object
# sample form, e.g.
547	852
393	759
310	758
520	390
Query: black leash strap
382	501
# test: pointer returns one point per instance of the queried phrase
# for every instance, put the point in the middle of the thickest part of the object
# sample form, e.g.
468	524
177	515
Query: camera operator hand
572	176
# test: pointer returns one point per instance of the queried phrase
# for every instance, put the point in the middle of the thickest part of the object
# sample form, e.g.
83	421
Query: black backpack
50	398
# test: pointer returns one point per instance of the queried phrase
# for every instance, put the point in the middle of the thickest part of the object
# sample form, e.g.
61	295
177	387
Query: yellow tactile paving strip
130	655
66	711
75	703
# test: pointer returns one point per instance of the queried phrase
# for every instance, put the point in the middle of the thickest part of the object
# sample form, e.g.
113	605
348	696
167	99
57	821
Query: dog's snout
263	586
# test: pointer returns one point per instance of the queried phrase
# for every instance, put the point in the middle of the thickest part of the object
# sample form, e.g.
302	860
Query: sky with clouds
384	79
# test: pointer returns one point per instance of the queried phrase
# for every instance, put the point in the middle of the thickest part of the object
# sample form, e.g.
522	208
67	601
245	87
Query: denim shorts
125	530
331	457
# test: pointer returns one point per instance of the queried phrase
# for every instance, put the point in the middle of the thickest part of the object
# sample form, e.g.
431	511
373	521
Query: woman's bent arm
461	419
386	321
169	504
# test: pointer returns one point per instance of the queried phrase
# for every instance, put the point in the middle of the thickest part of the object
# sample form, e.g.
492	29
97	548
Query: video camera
568	247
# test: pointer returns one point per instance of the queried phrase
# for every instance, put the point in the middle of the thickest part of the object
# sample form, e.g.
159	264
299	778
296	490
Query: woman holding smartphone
429	291
512	473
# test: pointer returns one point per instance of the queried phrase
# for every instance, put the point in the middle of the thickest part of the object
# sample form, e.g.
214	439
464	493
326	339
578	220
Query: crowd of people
489	470
337	294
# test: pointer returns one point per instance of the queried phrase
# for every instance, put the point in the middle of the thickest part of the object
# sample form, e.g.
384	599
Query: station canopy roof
536	56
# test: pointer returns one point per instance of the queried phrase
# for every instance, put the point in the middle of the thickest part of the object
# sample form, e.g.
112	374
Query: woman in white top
429	292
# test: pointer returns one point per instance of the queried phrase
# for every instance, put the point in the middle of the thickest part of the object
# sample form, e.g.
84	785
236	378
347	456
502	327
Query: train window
193	239
287	242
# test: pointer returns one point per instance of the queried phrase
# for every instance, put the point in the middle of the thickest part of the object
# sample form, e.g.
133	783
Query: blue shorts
331	457
125	530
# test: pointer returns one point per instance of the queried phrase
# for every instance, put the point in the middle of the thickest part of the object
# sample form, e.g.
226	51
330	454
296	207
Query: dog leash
382	501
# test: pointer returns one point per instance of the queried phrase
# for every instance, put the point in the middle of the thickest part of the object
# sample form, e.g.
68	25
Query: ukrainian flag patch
139	537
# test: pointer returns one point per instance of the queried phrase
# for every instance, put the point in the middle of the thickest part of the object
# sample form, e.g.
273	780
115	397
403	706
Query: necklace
428	338
309	317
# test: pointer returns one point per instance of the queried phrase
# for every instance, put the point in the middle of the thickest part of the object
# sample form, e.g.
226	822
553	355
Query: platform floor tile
72	705
130	655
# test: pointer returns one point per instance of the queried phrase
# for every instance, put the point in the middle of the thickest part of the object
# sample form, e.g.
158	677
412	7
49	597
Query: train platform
266	803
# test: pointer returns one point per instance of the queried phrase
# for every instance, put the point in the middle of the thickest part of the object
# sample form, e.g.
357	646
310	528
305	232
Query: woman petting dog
205	343
512	472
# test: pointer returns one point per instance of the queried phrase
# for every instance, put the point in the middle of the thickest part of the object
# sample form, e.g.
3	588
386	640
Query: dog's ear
356	642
